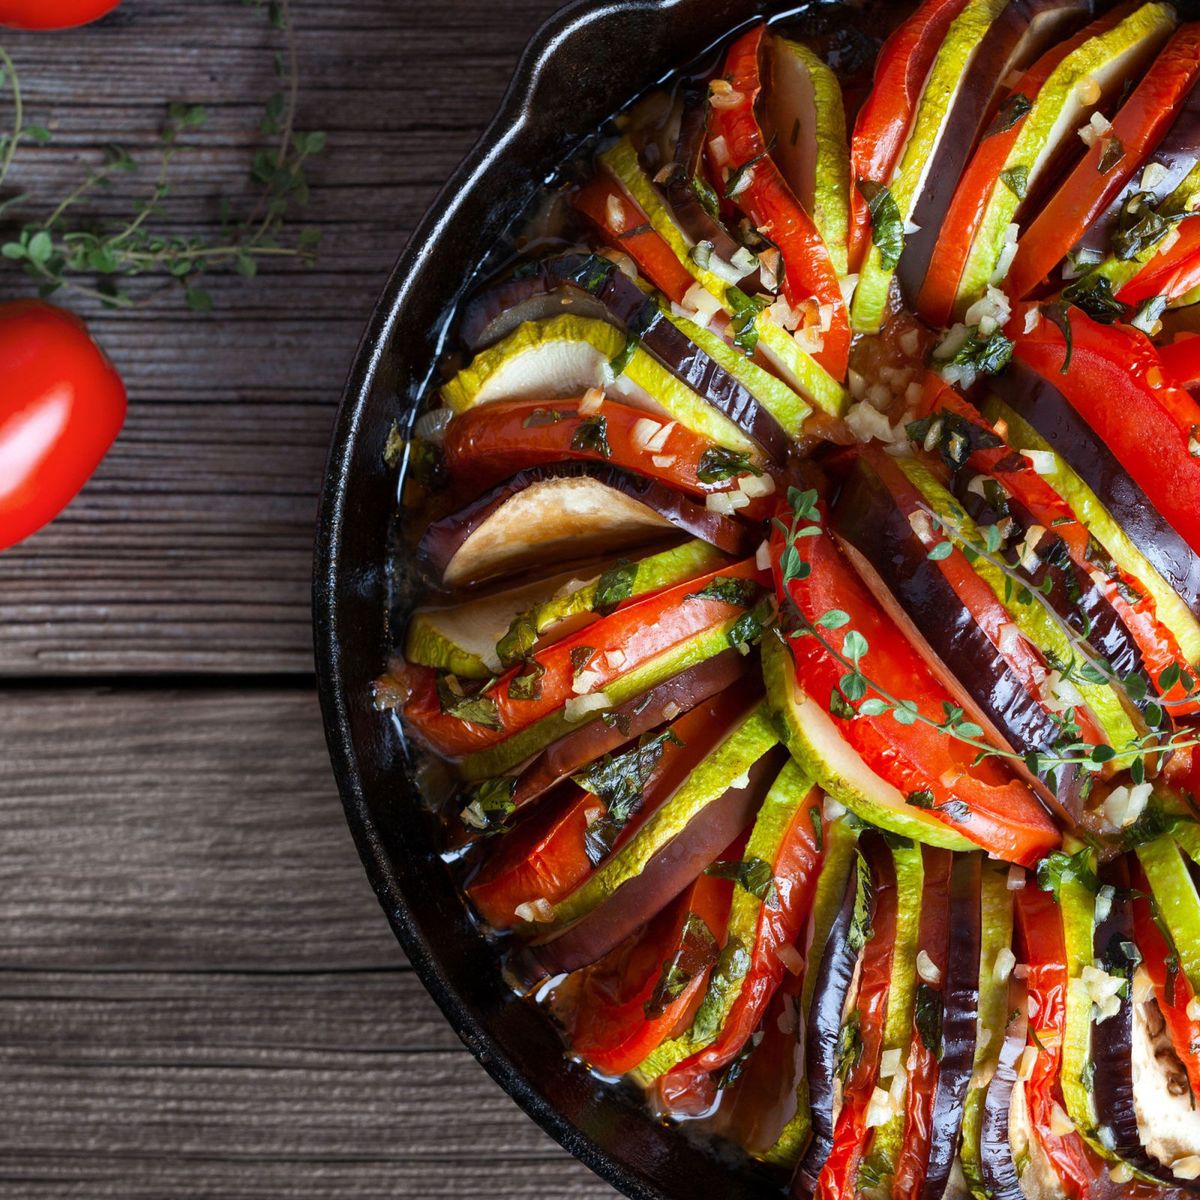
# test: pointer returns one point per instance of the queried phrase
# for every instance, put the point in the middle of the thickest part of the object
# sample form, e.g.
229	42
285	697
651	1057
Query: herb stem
14	84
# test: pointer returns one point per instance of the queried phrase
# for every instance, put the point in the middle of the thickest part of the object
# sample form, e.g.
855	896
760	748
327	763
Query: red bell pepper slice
839	1176
1004	819
1014	473
923	1065
493	441
975	188
1087	191
882	123
611	1025
691	1085
545	858
1181	359
625	227
1042	947
1171	987
1115	381
764	196
637	633
1171	272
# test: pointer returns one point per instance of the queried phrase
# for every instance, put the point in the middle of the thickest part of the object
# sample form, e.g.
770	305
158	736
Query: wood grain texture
190	550
198	993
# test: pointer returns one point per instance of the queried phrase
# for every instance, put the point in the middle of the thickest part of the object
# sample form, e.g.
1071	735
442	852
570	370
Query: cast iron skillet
587	62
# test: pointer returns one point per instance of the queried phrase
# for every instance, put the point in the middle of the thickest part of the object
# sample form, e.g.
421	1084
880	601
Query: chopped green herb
1140	226
928	1008
580	657
887	226
474	709
743	321
1112	154
426	464
719	464
955	437
545	416
695	952
490	804
731	968
1094	294
747	629
985	355
752	874
707	195
1011	111
518	643
1060	867
1058	315
592	435
621	361
729	590
614	586
527	683
1016	179
734	183
850	1046
636	231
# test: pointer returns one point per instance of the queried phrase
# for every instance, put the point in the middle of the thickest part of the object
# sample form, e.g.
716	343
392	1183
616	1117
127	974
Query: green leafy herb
955	437
731	968
739	177
695	952
622	360
887	226
1094	294
1140	225
1112	154
545	416
729	589
746	630
619	781
1060	867
614	587
707	195
1058	315
61	250
580	657
850	1046
928	1008
518	643
527	683
745	311
1011	111
475	708
636	231
592	435
1016	179
985	355
752	874
490	804
719	464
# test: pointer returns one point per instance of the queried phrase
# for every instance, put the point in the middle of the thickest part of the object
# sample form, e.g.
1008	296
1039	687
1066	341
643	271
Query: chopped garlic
1033	318
670	710
1060	1124
989	312
1005	961
578	707
833	809
1123	805
593	400
663	460
1153	175
585	682
1104	991
1016	878
1027	1062
1087	90
644	431
740	781
614	212
879	1109
1193	1008
1042	461
928	969
1008	251
701	301
791	958
910	342
615	659
540	911
1187	1167
756	485
889	1063
762	556
1121	1173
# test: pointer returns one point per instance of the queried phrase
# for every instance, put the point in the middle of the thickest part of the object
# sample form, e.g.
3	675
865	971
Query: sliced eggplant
881	543
960	1017
587	282
1013	40
1049	412
1112	1048
657	881
999	1170
827	1013
559	514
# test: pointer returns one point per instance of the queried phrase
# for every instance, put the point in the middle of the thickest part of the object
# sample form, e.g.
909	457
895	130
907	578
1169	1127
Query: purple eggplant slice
827	1015
995	1147
960	1017
893	562
666	874
553	515
1013	40
1040	403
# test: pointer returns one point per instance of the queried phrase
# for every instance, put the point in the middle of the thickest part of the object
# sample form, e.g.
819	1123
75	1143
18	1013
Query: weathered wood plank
313	1085
190	550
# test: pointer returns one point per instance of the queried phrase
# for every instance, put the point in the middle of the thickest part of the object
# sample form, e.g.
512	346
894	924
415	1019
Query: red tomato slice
690	1087
767	200
1005	819
1116	382
1181	359
625	227
62	405
53	14
492	441
637	632
883	121
1087	191
610	1028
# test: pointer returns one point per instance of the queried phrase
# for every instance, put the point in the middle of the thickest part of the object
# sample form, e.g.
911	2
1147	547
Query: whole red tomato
53	14
62	404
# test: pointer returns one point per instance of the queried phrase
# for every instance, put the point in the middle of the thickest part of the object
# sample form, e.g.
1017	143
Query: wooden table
199	996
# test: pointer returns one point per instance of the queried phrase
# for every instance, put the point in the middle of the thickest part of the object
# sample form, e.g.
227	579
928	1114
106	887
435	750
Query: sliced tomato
1042	947
736	146
934	940
1181	359
839	1176
691	1086
1115	381
1088	191
883	121
619	1009
492	441
1016	476
978	182
625	227
545	856
1004	817
629	637
1172	990
1171	272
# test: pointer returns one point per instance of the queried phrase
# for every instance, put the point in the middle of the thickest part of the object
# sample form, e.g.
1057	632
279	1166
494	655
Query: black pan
587	62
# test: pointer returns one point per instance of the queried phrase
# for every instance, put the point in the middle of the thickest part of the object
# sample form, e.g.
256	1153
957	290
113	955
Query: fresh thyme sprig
60	251
860	695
